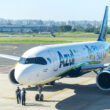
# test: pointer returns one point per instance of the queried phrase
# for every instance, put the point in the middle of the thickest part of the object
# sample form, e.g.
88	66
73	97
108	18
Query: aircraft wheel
37	97
52	83
41	97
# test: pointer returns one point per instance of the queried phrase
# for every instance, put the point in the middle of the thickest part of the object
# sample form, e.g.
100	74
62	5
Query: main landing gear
39	97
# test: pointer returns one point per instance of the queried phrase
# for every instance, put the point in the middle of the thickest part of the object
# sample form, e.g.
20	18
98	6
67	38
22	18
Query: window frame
34	60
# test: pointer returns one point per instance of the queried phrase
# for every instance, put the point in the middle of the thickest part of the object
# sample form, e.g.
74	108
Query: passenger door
54	59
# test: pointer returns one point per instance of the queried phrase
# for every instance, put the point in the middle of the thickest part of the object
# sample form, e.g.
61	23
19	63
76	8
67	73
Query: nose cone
22	73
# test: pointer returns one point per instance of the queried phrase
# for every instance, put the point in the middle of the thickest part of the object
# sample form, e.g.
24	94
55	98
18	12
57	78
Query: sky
58	10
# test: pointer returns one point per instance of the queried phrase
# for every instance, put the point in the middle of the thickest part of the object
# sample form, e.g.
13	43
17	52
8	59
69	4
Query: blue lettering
61	59
66	59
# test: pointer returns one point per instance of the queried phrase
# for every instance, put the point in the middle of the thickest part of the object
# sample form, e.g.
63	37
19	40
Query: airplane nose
27	74
22	73
19	76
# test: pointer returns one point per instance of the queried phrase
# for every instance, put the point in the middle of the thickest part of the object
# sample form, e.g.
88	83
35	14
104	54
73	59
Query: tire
41	97
37	97
52	83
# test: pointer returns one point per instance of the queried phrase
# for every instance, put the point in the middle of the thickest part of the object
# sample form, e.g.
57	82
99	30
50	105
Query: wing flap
10	57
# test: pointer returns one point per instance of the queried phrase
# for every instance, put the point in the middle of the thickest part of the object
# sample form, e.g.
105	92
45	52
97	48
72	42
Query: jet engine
12	77
103	80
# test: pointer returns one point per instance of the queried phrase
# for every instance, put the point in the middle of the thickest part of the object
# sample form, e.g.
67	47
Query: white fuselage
44	64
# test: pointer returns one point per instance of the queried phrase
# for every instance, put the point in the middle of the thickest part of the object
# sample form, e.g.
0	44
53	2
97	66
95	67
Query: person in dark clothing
18	95
23	96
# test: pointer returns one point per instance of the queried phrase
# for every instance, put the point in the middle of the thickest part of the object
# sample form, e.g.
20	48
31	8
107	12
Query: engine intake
12	77
103	80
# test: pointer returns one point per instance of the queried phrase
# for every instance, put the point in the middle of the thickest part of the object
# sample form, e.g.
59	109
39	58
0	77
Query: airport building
26	29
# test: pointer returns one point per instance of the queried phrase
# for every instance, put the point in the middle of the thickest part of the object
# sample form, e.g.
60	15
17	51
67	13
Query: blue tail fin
103	31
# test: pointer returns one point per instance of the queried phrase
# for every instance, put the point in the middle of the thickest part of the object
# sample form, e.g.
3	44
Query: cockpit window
36	60
49	60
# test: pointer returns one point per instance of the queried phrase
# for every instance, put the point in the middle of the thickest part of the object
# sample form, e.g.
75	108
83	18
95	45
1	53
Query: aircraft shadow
87	97
34	104
56	87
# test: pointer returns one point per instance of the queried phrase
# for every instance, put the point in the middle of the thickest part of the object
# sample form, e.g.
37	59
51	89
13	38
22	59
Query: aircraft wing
95	66
10	57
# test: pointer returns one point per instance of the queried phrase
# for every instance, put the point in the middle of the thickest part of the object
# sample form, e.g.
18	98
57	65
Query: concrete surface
68	94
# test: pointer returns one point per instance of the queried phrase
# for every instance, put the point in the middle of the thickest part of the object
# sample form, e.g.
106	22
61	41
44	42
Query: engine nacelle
12	77
103	80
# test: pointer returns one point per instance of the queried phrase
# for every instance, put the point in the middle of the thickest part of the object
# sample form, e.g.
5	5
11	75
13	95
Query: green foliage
78	28
90	29
74	30
65	28
97	30
108	31
35	30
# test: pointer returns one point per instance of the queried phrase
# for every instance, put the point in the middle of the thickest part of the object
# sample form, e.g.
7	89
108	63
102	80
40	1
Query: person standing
18	95
23	96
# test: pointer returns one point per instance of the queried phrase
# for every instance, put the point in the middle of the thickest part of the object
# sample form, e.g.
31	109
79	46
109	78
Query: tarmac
67	94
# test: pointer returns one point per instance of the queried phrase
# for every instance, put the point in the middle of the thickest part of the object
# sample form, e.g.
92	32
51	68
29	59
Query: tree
35	30
90	29
79	28
108	31
74	30
65	28
97	30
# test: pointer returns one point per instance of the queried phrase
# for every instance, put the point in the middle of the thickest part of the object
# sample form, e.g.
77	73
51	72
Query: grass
75	34
44	40
64	34
68	37
59	34
22	34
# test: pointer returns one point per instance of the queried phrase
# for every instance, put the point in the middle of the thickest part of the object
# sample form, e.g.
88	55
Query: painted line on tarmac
66	89
54	94
84	82
8	47
10	98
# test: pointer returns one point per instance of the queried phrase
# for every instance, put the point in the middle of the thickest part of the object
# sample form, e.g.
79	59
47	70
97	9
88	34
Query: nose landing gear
39	97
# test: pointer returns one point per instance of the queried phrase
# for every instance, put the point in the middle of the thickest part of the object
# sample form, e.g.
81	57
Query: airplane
45	64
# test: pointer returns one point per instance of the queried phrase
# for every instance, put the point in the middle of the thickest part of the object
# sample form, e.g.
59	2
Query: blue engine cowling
103	80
